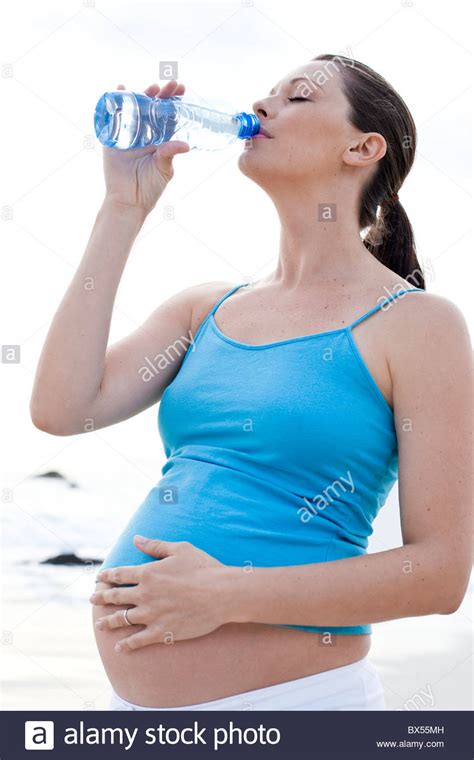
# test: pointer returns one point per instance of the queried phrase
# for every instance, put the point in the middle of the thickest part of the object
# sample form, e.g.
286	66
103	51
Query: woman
281	419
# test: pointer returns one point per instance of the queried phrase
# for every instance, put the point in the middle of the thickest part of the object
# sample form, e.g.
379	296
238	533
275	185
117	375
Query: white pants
351	687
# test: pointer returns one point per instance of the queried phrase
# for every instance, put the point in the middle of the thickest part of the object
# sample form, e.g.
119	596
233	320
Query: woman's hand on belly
180	596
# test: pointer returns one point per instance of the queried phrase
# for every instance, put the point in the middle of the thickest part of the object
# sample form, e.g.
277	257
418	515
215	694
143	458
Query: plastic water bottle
125	119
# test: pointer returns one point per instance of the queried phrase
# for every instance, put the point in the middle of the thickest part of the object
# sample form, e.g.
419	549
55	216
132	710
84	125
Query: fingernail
118	647
99	624
140	539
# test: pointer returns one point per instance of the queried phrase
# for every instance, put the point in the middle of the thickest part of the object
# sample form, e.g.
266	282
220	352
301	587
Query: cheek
301	148
319	153
302	155
322	138
309	142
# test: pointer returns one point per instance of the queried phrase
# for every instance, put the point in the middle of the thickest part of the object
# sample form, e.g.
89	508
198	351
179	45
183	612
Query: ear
367	150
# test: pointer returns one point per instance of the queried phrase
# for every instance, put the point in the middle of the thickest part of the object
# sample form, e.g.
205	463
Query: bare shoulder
429	315
204	297
188	303
429	333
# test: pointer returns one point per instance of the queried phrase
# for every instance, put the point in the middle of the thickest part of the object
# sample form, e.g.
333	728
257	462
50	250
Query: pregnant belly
229	518
235	658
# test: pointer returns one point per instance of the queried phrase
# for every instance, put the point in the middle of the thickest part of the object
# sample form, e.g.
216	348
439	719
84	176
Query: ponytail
391	240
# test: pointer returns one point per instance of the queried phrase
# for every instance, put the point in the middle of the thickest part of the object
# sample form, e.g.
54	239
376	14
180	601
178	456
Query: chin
255	167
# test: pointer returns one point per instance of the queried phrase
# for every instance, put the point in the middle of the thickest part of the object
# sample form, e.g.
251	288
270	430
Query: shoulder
189	306
429	337
204	297
428	315
206	294
202	294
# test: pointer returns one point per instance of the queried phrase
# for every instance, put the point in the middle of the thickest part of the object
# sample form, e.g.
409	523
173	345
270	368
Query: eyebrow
292	81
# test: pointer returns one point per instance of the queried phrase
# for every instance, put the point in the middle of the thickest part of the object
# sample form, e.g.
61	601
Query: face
307	121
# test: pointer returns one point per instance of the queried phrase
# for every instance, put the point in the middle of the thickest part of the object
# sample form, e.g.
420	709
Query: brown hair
376	107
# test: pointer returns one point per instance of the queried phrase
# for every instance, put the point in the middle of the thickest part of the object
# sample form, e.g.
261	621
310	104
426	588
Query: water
125	119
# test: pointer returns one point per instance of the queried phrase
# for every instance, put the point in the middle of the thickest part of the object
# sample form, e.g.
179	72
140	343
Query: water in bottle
125	119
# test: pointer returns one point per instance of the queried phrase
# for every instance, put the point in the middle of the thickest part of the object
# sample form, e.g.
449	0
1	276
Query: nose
259	110
262	108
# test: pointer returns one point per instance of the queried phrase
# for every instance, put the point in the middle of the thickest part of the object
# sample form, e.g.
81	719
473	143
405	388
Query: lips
262	133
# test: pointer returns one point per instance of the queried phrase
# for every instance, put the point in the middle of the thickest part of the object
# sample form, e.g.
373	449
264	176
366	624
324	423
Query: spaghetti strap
226	295
382	304
206	319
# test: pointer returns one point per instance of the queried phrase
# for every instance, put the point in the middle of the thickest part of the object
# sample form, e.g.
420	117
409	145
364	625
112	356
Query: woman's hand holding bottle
136	178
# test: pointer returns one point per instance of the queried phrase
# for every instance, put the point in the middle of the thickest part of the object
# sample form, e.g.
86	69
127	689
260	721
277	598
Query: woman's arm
71	364
431	372
75	389
80	384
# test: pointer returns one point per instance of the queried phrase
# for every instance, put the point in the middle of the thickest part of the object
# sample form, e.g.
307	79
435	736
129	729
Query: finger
155	546
178	90
117	620
124	574
168	89
100	586
164	159
138	640
114	595
152	90
121	87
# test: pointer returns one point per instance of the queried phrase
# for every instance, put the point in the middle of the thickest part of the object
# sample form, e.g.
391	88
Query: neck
319	236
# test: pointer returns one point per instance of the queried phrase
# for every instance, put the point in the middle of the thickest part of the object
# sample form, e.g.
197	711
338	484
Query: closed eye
298	98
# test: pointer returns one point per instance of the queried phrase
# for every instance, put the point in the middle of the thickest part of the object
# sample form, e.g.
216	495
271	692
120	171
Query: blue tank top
277	454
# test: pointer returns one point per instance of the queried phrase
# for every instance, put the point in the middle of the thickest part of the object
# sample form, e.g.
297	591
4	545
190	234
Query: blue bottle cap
249	125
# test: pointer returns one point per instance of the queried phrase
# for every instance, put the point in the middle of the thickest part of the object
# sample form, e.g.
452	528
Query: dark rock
55	474
70	559
49	474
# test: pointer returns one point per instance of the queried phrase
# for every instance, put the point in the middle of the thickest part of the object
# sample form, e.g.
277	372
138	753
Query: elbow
45	426
444	577
451	600
41	422
37	415
38	419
